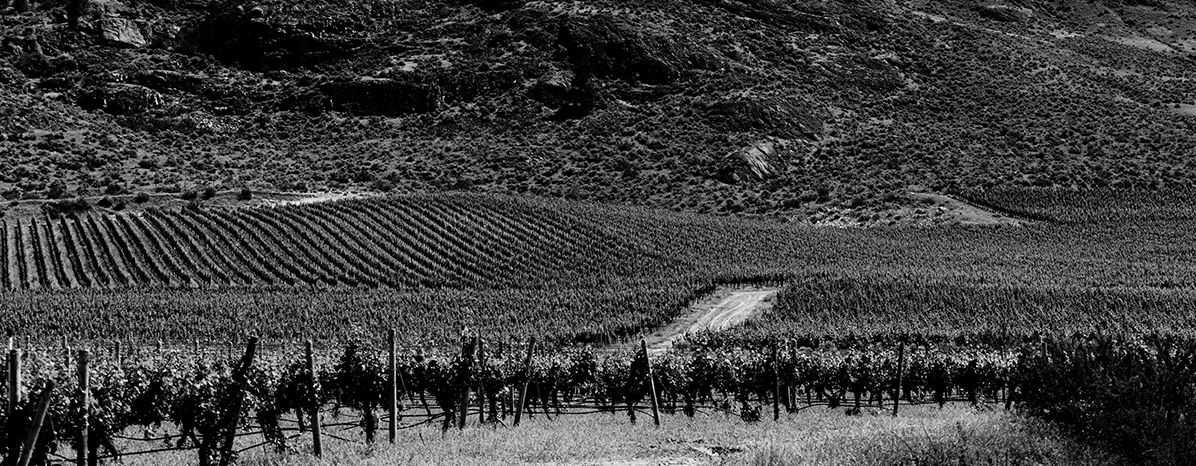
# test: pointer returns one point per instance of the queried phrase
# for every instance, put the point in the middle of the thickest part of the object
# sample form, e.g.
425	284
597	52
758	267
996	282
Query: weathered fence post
392	401
776	383
232	416
900	373
120	360
316	445
527	378
651	384
40	418
468	353
481	382
14	380
84	407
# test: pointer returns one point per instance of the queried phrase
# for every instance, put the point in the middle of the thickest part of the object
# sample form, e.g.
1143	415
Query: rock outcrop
382	96
121	32
758	162
120	99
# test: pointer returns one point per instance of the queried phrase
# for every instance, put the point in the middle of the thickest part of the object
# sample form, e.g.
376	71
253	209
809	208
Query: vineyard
408	243
198	402
571	272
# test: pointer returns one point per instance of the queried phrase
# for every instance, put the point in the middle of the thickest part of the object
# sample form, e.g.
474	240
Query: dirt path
724	308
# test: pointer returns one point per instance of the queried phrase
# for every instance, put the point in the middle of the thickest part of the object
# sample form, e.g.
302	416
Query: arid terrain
818	112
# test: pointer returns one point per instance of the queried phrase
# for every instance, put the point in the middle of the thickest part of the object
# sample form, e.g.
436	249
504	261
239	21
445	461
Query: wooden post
481	383
84	407
392	402
229	423
651	384
467	356
527	378
776	382
120	360
316	445
31	440
14	380
900	370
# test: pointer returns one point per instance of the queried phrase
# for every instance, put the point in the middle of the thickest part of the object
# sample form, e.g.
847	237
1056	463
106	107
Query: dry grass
920	436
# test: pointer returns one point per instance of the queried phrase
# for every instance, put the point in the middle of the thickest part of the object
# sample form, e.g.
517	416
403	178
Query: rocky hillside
822	111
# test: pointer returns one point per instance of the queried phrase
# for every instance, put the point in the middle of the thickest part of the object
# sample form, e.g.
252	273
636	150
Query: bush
208	193
245	194
1135	396
189	195
382	185
56	190
67	207
141	198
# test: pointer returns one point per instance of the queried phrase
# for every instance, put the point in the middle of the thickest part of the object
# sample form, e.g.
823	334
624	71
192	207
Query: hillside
824	112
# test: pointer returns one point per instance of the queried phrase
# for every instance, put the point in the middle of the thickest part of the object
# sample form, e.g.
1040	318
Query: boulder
1005	13
551	88
122	32
757	162
120	99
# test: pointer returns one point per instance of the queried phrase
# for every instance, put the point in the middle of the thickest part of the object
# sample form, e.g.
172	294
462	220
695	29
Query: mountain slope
636	102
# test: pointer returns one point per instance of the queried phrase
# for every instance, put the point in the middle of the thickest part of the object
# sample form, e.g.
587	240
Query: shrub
1133	395
141	197
66	207
56	190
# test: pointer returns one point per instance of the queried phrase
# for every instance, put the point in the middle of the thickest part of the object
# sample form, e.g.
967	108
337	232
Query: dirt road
724	308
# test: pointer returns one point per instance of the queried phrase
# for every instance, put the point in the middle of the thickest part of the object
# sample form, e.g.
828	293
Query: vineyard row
446	241
209	401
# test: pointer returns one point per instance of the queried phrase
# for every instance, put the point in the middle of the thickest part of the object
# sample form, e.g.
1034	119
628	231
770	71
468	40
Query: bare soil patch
726	307
964	213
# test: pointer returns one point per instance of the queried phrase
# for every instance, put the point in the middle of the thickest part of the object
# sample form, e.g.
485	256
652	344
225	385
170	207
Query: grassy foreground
922	435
